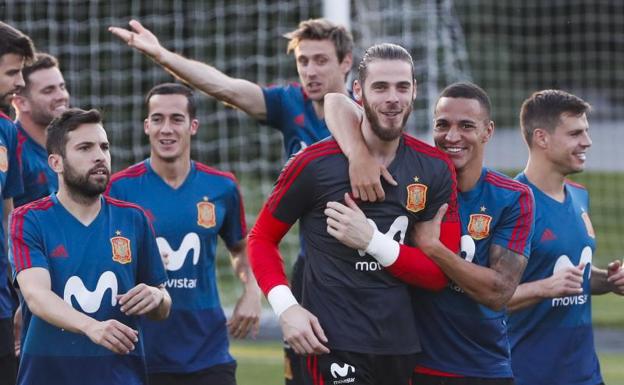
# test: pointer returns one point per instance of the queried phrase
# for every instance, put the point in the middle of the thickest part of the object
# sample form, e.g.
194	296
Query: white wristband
383	248
281	298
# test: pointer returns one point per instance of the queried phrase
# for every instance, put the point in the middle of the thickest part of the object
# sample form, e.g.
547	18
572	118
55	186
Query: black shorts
224	374
425	379
293	370
348	368
8	361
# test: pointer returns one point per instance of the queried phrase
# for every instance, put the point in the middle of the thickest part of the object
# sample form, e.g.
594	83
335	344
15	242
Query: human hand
348	224
302	331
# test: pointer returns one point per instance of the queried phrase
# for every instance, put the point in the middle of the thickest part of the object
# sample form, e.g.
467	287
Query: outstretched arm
344	118
246	315
240	93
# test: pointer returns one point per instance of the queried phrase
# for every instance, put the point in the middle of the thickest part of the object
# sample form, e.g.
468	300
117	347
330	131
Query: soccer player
462	328
87	266
550	322
16	49
43	98
323	55
354	314
191	204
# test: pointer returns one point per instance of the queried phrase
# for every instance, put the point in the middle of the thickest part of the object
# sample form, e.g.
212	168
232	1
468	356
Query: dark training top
360	306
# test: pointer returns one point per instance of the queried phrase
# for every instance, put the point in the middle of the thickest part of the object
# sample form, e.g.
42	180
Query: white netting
509	48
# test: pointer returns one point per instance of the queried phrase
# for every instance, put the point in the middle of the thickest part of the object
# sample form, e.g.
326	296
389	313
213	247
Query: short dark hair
544	108
174	89
42	61
69	120
467	90
322	29
383	51
15	42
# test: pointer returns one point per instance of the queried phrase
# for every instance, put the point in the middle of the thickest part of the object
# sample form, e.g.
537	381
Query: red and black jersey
360	305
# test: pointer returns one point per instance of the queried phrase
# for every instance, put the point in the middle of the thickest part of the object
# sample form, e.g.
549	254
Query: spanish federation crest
206	214
122	252
4	159
588	224
479	226
416	197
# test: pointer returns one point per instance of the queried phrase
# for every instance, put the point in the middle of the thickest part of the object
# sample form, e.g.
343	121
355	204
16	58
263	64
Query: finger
333	214
370	192
355	191
137	26
121	33
318	330
255	328
351	204
338	207
304	345
441	213
381	195
387	176
145	305
363	195
127	331
121	340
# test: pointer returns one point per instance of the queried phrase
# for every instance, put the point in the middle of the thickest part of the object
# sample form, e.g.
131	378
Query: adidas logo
548	235
59	252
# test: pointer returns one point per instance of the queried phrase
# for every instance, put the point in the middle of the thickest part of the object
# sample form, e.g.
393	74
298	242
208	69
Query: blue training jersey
10	186
187	221
459	335
88	266
290	111
39	179
552	342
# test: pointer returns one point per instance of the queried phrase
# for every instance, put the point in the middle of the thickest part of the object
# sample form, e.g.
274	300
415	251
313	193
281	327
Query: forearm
48	306
343	118
240	93
527	294
242	268
483	284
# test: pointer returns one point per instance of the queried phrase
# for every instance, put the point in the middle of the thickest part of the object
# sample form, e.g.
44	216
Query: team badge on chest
206	216
122	252
4	159
588	224
479	226
416	196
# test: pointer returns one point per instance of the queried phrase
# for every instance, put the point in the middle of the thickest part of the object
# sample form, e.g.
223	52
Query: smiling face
319	70
169	127
85	166
567	145
46	96
387	96
11	80
461	130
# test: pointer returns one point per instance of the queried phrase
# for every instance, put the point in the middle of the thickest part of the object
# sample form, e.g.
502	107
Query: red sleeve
416	268
263	249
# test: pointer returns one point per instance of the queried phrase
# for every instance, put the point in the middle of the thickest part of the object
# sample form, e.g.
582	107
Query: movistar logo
399	226
178	257
340	373
90	301
564	262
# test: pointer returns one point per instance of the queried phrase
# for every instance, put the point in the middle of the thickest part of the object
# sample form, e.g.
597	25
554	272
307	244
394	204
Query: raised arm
343	118
240	93
246	315
44	303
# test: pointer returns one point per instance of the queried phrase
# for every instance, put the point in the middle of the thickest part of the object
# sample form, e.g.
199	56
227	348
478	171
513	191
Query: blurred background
510	48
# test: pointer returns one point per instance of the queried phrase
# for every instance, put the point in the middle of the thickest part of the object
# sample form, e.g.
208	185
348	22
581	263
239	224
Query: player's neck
173	172
84	209
545	177
35	131
383	151
468	176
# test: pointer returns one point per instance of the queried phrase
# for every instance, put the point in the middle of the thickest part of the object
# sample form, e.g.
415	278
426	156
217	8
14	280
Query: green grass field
261	363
